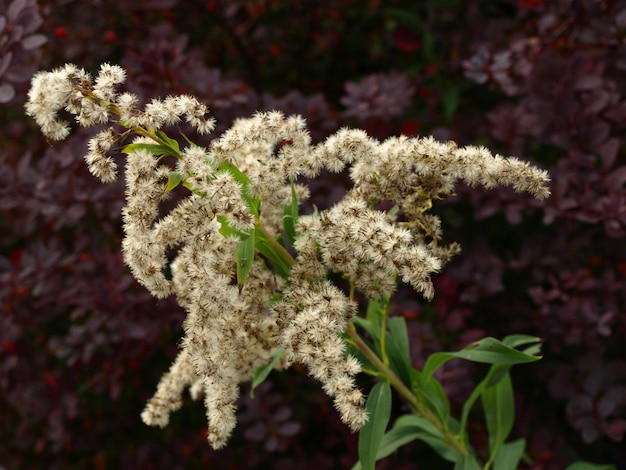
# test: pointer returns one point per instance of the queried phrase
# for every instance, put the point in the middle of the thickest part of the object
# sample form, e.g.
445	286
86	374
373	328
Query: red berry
111	37
9	346
275	50
60	32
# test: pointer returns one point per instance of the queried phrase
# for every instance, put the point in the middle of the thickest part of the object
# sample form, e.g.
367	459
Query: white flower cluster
231	330
96	101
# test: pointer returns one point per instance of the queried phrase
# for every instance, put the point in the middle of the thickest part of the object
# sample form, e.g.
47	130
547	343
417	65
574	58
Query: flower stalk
417	407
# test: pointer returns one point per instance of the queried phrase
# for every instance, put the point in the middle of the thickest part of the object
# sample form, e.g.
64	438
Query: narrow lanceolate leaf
590	466
515	341
154	149
245	258
227	230
253	203
468	463
371	435
494	375
499	408
290	216
430	435
170	142
432	394
262	372
374	314
509	455
173	180
398	349
281	265
487	350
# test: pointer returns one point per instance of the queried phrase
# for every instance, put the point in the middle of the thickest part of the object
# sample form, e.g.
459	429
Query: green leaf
290	215
430	435
515	341
509	455
239	176
408	428
154	149
428	44
432	394
261	373
499	408
590	466
468	463
193	189
281	265
227	230
395	438
496	373
487	350
404	431
171	142
398	349
404	16
450	100
254	204
245	258
374	314
371	434
365	324
173	180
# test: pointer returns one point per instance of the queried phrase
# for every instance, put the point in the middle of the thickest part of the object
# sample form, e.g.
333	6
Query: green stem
416	406
271	240
383	333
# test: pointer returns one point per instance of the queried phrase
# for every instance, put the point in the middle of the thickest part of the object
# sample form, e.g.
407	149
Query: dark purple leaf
33	41
610	401
587	82
617	178
7	92
596	101
283	413
158	4
135	330
589	430
15	8
615	430
620	19
580	405
5	61
256	432
289	429
617	113
608	151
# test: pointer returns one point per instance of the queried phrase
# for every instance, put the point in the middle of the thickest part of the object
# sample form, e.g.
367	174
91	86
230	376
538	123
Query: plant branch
416	406
271	240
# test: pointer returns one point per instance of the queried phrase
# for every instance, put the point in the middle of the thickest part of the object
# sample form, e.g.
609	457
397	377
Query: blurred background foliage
82	345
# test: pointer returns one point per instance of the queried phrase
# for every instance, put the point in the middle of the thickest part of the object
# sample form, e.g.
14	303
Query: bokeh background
82	346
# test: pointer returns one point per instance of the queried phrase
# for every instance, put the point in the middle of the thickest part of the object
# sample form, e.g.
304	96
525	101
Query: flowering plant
265	287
